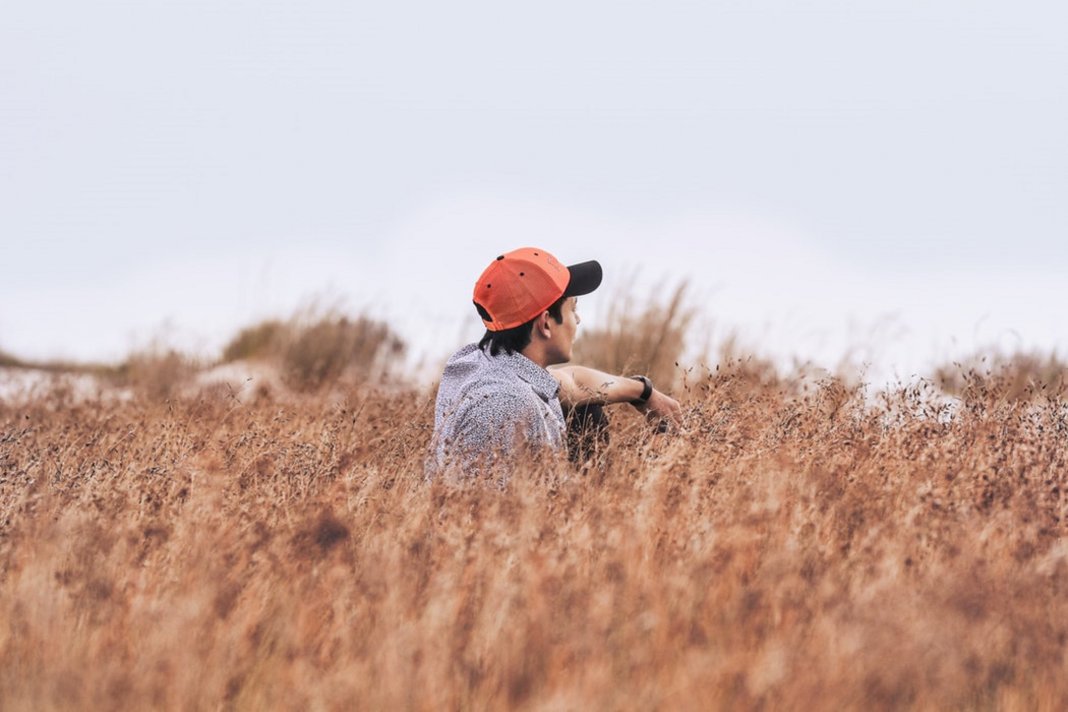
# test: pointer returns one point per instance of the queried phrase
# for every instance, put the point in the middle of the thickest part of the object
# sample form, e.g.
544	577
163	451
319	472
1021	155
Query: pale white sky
887	179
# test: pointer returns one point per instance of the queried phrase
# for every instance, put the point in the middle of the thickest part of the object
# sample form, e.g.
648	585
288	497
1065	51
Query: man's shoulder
473	368
489	393
472	378
467	352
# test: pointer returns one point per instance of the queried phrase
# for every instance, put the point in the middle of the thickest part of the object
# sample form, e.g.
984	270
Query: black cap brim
585	277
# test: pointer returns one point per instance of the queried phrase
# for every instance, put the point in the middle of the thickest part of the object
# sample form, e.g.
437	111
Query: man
497	398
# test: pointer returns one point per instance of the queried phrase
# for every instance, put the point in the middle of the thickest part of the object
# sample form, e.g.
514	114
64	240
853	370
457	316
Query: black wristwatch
646	392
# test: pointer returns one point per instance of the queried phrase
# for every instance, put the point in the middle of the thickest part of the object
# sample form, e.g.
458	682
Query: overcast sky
888	178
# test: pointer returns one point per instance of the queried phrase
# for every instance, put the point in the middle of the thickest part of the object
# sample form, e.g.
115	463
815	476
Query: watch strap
647	391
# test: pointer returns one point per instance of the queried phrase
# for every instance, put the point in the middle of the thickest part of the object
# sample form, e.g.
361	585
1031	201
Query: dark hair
518	337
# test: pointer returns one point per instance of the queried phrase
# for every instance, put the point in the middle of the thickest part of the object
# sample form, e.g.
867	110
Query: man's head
527	298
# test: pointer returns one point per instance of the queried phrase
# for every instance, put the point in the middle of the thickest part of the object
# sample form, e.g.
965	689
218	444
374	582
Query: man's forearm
580	385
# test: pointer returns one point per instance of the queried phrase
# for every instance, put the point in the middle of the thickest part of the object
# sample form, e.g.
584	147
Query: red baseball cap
519	285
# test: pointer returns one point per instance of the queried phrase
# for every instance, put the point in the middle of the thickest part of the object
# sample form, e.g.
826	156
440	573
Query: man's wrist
647	390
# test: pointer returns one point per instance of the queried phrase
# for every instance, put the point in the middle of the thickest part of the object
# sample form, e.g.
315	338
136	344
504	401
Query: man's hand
663	408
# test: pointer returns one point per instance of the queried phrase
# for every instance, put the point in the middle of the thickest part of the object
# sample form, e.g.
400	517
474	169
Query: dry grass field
802	544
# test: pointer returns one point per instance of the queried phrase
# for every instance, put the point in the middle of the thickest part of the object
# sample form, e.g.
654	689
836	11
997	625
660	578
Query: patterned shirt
489	406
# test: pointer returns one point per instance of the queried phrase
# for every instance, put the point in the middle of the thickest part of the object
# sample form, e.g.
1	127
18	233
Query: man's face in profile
563	334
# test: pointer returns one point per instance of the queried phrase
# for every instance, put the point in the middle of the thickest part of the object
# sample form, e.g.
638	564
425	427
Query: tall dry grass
795	547
1018	376
156	372
648	339
320	346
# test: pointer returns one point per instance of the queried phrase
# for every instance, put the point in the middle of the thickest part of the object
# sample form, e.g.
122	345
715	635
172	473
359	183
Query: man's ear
542	324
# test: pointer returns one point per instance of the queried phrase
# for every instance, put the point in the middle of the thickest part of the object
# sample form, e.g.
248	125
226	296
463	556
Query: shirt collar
539	379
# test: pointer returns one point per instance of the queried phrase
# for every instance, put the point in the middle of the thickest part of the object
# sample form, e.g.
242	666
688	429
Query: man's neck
537	355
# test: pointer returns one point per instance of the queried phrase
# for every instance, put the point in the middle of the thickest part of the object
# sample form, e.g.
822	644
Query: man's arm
580	385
